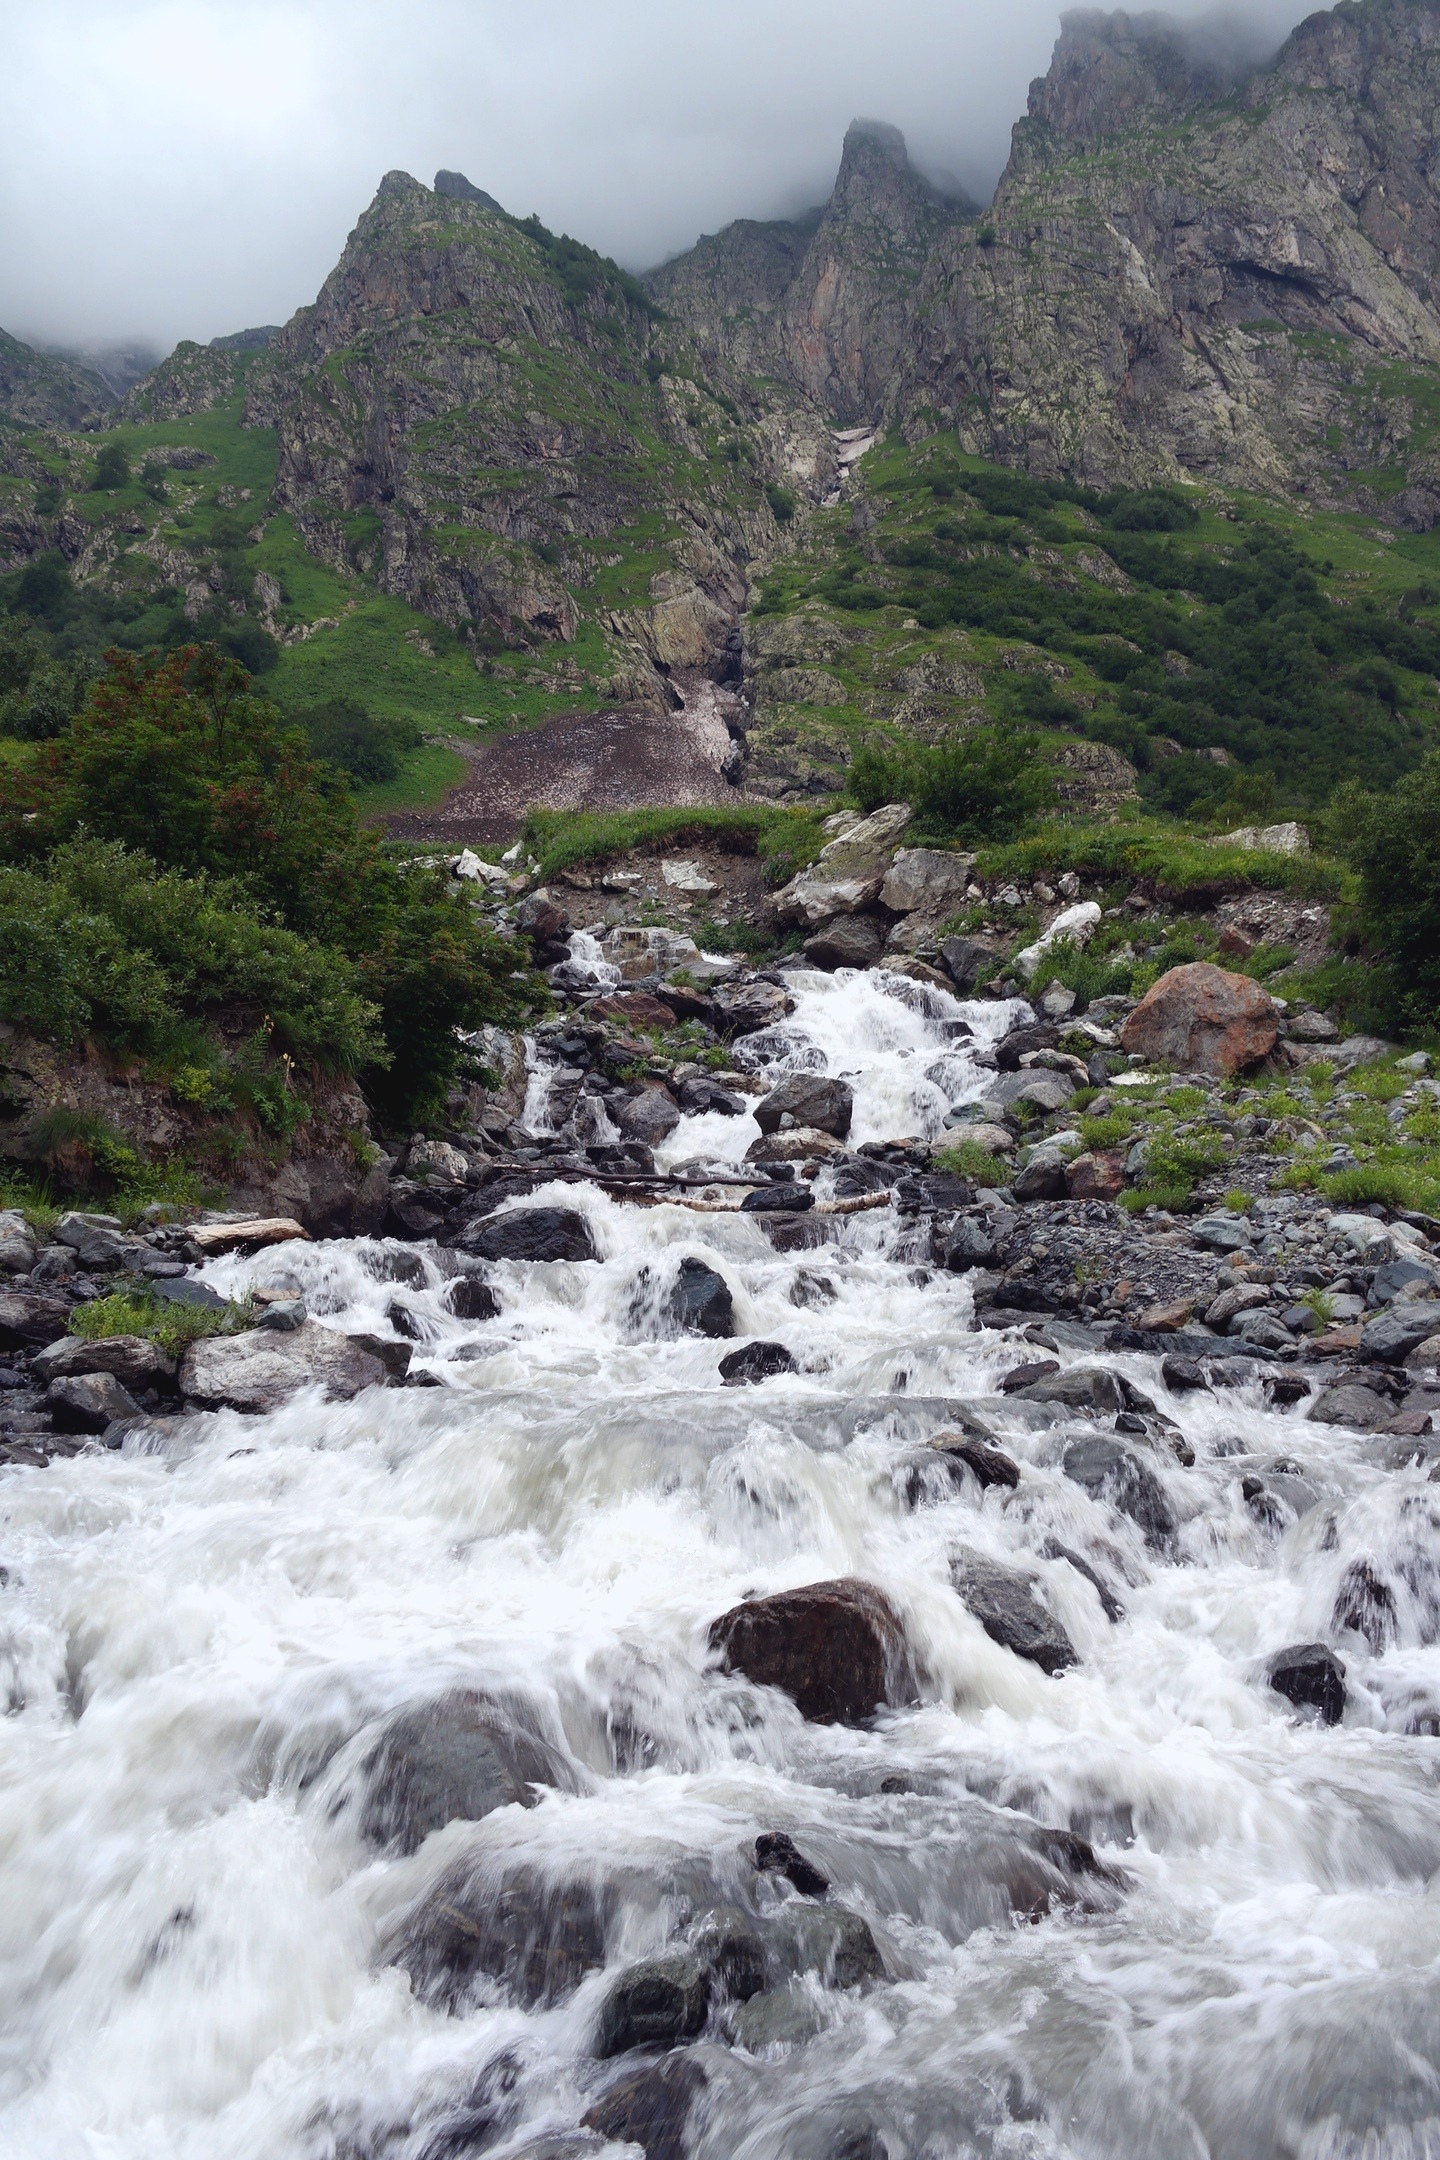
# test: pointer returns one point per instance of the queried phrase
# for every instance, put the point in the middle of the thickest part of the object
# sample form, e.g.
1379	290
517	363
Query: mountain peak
1111	70
455	185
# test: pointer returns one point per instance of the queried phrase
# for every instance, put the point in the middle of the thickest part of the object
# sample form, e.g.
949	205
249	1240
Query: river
203	1636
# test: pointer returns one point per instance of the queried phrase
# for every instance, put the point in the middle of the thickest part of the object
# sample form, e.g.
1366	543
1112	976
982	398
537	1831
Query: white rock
927	878
1286	839
687	877
437	1162
1077	924
1417	1062
259	1370
476	871
1360	1232
849	872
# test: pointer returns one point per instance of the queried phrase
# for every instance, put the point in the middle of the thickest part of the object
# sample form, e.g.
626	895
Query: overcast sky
181	168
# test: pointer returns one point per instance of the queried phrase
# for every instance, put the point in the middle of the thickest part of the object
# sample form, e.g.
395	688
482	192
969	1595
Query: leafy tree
986	784
342	732
112	469
1393	843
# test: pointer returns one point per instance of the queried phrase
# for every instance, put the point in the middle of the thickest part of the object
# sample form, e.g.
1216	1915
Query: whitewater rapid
201	1633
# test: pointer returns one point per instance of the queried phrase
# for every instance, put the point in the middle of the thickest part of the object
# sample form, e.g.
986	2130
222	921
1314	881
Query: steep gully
377	1783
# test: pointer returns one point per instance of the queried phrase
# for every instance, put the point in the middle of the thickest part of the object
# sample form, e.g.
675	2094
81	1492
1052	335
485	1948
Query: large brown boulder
1200	1018
836	1648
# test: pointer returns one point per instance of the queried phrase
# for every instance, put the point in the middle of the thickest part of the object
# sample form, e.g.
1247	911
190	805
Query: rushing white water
200	1639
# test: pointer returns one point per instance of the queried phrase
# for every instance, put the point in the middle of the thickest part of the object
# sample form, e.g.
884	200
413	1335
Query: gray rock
1004	1602
536	1936
530	1233
967	961
1394	1333
651	2106
1110	1472
853	941
1083	1387
18	1243
745	1008
1312	1677
131	1359
829	1941
1043	1177
1221	1233
1402	1279
781	2017
1263	1331
258	1371
185	1290
755	1362
95	1241
1359	1409
928	879
456	1758
699	1301
810	1099
26	1320
969	1245
284	1317
1244	1297
656	2003
651	1115
88	1402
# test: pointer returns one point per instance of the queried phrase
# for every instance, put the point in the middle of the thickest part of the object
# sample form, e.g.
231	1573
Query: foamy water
200	1641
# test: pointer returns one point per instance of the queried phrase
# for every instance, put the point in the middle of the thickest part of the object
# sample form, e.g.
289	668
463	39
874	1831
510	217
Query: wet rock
1110	1605
131	1359
836	1648
283	1316
1004	1602
1028	1376
1182	1375
1358	1408
651	1115
776	1853
780	2017
732	1950
699	1096
538	1233
1394	1333
745	1008
652	2106
536	1938
778	1200
1083	1387
257	1371
1112	1473
970	1244
394	1356
252	1234
1200	1018
470	1297
810	1099
88	1402
658	2002
1365	1605
457	1757
932	1192
988	1465
828	1941
801	1143
850	941
699	1301
1311	1677
27	1320
184	1290
1283	1389
756	1361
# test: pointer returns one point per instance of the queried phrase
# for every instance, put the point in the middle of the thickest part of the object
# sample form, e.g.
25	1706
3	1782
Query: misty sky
180	168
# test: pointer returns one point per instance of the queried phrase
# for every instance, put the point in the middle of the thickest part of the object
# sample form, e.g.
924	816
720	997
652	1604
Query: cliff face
41	391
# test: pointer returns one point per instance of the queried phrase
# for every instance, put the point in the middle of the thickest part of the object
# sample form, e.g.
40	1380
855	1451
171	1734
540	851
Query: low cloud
183	168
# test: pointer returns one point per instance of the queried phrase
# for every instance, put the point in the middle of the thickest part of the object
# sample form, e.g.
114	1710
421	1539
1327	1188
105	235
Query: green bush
781	501
344	734
112	469
986	784
173	1327
966	1158
1392	842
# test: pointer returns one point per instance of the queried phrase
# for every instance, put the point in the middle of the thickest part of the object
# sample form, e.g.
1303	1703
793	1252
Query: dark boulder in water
827	1940
1311	1677
540	1233
810	1099
470	1297
651	2106
776	1853
756	1361
457	1757
1112	1473
657	2002
536	1938
1004	1602
1365	1605
836	1648
699	1301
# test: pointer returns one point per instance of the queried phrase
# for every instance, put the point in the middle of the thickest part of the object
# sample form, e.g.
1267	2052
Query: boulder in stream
1111	1472
1004	1602
836	1648
459	1756
810	1099
88	1402
1312	1677
657	2002
259	1370
651	1115
651	2106
756	1361
531	1233
133	1360
534	1936
699	1301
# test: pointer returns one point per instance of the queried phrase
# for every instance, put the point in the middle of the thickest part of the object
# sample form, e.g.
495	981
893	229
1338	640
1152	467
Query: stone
651	1115
472	869
1043	1177
133	1360
633	1008
537	1937
28	1320
776	1853
1359	1409
542	919
967	961
1110	1472
1365	1605
252	1235
436	1162
687	878
732	1949
1359	1050
836	1648
1402	1280
1004	1602
987	1465
994	1139
1244	1297
285	1316
806	1143
1096	1175
1284	839
745	1008
184	1290
1393	1334
88	1402
1201	1018
658	2002
1311	1027
651	2107
95	1241
1058	1001
1182	1375
849	872
1360	1232
1110	1605
1264	1331
1221	1234
969	1245
853	941
779	2017
928	879
810	1099
1083	1387
470	1297
829	1941
1425	1357
258	1371
1312	1677
1167	1319
1074	925
457	1757
700	1096
793	1199
18	1243
755	1362
530	1233
699	1301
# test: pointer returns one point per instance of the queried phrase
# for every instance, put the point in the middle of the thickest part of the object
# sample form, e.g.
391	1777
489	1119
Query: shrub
112	469
781	501
344	734
1392	842
986	784
173	1327
966	1158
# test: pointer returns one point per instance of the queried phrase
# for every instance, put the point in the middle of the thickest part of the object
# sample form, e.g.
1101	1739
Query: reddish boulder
1097	1176
836	1648
1199	1018
634	1008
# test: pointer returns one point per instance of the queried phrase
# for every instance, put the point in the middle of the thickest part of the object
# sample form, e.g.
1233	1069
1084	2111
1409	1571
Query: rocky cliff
39	390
